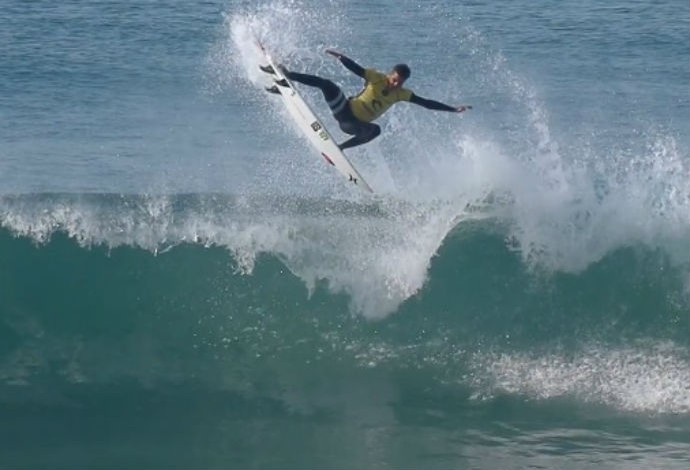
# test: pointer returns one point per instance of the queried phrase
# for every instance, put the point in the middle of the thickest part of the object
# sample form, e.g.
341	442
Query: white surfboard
312	127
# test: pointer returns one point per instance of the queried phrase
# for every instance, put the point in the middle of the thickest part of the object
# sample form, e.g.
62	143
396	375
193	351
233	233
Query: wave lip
378	252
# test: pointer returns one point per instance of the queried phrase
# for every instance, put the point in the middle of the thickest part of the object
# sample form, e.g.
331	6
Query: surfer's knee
375	130
348	127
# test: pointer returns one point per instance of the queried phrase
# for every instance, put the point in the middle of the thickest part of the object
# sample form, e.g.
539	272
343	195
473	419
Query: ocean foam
649	377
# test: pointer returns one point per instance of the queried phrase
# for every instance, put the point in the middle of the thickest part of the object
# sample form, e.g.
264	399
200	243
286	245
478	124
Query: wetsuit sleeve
430	104
352	66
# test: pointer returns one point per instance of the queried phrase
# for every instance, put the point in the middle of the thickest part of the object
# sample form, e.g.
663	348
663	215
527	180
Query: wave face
209	315
107	288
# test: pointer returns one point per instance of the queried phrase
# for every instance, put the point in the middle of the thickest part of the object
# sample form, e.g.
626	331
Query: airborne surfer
355	114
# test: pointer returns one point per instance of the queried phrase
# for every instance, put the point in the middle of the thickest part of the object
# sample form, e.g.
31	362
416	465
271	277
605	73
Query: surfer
356	113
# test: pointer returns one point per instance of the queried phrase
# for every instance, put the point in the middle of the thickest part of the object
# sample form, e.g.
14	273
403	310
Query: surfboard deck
311	126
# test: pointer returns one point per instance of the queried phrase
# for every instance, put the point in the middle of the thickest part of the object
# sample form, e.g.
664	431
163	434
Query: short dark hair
403	70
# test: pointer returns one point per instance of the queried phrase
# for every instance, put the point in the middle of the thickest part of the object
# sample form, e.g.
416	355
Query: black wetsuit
362	131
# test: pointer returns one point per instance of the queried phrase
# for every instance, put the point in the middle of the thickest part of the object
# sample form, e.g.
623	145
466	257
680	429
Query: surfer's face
395	81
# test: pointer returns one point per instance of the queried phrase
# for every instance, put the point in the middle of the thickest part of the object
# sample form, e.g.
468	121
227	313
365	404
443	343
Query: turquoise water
186	285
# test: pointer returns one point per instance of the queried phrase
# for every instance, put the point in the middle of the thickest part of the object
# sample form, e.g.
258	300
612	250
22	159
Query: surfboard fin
267	69
282	82
273	89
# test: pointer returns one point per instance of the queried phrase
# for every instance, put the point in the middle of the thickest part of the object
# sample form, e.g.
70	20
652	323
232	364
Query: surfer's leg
330	90
363	132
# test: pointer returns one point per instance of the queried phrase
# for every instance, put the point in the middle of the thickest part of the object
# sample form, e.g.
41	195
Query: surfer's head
398	75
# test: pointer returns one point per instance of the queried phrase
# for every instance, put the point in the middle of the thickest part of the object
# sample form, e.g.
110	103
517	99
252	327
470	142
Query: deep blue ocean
184	283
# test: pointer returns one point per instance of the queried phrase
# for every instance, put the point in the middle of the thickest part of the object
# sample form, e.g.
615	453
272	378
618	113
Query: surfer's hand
462	107
334	53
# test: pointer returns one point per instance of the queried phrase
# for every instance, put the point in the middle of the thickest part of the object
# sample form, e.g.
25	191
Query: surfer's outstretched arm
351	65
436	105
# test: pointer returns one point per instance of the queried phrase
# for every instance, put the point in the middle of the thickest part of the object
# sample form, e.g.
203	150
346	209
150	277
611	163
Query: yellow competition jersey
374	99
